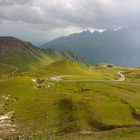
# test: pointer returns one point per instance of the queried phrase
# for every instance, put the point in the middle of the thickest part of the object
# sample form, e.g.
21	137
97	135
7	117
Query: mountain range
24	55
119	47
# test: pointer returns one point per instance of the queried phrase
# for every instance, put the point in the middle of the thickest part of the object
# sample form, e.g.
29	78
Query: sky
40	21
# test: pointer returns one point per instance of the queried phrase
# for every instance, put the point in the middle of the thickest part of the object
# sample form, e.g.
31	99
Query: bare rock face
10	45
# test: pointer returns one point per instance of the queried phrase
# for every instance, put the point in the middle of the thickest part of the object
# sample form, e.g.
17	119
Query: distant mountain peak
119	47
87	31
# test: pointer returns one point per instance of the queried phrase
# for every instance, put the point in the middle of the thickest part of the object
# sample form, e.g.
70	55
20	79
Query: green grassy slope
20	54
65	55
133	75
5	69
71	70
47	109
70	108
23	61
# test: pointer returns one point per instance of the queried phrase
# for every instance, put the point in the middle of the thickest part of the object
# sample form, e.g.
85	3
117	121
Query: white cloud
67	30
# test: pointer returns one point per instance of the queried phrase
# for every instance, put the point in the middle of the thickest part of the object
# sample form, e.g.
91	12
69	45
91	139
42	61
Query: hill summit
13	46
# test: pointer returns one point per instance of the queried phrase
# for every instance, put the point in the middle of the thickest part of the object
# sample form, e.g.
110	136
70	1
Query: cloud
103	13
70	15
13	2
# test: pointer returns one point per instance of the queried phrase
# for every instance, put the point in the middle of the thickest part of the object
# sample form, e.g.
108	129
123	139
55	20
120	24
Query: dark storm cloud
99	13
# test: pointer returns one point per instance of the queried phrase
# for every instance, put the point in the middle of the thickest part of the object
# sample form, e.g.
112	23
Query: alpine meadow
69	70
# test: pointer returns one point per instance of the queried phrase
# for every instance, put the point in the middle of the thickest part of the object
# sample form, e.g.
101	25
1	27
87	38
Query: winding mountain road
59	78
121	80
122	76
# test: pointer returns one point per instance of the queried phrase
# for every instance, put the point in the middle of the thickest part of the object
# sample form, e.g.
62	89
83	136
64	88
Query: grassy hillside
19	54
62	108
45	109
60	55
46	95
5	69
24	56
69	69
133	75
